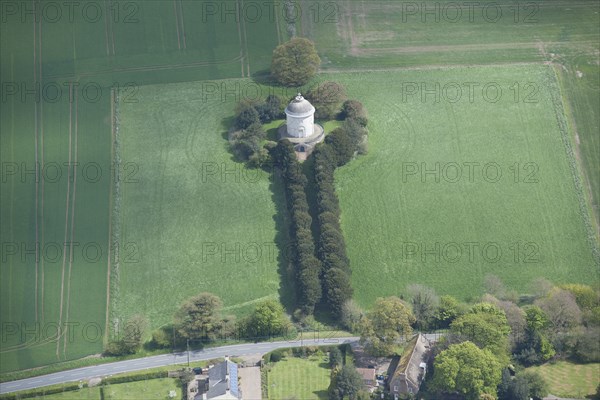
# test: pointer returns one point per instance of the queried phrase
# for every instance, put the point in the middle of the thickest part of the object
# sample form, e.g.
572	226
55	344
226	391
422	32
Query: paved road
137	364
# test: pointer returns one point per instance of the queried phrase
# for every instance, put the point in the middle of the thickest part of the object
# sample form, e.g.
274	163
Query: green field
405	226
167	217
130	45
299	378
200	220
147	389
566	379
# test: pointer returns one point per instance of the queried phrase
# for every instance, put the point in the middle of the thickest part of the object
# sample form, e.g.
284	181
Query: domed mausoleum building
300	127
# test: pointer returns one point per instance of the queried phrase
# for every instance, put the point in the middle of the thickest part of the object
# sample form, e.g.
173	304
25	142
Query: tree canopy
383	327
295	62
199	317
468	370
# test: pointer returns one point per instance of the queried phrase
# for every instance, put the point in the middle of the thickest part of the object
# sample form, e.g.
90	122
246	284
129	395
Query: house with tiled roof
221	382
411	369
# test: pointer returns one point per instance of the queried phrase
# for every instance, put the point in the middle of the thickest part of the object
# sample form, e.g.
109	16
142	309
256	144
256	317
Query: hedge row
339	148
307	266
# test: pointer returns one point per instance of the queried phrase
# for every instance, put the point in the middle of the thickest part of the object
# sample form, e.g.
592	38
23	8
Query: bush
247	117
327	98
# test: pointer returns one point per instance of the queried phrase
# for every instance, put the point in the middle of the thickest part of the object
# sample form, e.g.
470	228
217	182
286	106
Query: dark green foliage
340	141
352	109
327	98
276	355
199	317
332	247
295	62
246	143
307	266
247	117
538	387
270	110
346	383
336	358
113	380
129	338
513	388
338	289
41	392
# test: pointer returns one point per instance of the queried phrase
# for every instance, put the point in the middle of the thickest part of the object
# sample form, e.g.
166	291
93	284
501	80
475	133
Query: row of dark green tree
307	266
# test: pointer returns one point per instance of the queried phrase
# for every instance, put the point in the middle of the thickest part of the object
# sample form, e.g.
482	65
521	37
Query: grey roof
299	106
217	380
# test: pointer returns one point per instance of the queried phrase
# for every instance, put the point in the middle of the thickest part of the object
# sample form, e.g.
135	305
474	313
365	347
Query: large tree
561	308
383	327
468	370
327	98
424	303
295	62
485	325
346	383
199	317
267	319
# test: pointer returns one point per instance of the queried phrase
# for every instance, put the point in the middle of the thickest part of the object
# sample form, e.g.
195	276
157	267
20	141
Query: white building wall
300	127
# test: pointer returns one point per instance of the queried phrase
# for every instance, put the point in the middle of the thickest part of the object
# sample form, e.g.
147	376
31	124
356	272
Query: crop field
384	33
66	130
456	189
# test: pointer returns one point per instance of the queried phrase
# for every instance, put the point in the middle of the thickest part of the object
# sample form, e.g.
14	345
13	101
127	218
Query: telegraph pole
188	351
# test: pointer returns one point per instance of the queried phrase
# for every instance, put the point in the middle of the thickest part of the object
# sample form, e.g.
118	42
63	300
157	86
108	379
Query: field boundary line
182	24
574	166
68	300
62	282
426	67
110	209
240	4
37	177
237	21
177	24
41	77
588	193
106	27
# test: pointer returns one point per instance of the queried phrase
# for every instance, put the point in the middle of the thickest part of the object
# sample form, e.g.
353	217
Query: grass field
566	379
148	389
299	378
201	221
403	225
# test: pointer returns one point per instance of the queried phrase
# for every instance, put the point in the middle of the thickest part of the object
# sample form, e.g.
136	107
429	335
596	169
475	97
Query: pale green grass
202	222
149	389
299	378
566	379
537	227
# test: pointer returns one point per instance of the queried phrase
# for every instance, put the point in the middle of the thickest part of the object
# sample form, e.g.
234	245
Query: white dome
299	107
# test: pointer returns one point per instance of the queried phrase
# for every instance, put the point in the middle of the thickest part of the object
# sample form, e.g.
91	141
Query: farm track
37	180
68	302
62	281
177	24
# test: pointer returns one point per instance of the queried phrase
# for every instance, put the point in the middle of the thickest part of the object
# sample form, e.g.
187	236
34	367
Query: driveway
250	385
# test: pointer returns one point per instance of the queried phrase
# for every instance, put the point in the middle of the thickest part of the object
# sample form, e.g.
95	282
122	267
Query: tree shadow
283	241
321	394
226	124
